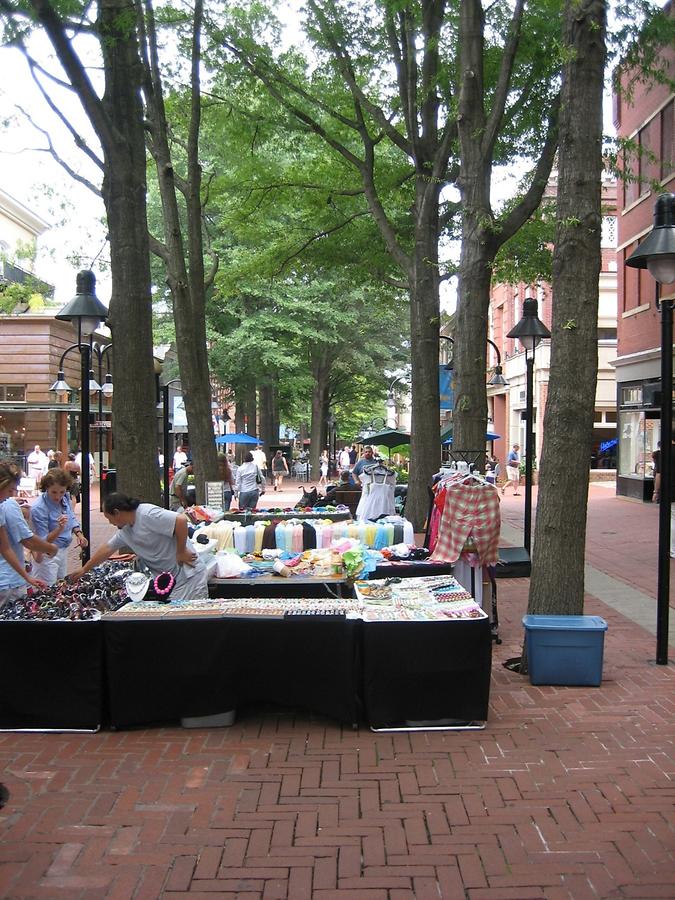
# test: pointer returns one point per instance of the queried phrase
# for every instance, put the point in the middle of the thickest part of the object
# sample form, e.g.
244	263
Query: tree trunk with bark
124	191
320	367
185	269
269	421
117	119
557	583
425	444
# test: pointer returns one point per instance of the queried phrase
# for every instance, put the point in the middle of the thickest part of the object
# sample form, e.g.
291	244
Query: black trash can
108	482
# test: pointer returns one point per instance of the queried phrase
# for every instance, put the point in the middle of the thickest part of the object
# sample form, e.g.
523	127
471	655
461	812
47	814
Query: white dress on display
377	495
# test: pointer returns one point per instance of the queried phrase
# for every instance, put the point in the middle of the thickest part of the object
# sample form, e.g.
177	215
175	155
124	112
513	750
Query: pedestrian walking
513	471
323	465
279	470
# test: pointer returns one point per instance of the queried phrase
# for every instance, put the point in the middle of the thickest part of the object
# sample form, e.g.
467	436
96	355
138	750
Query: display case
639	436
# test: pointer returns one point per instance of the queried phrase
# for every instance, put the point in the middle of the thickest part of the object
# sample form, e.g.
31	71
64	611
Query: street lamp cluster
87	312
497	379
370	428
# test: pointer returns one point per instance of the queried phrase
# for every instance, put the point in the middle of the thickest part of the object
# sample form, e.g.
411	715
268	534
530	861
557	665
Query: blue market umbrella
237	438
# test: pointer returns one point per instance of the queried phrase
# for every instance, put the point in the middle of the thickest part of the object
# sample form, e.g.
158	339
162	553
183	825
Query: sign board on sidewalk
213	491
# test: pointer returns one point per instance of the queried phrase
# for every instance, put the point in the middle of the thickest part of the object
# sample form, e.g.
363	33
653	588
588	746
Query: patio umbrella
237	438
390	437
446	436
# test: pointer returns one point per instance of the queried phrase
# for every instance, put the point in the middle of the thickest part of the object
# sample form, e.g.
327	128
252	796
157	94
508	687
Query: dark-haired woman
226	476
159	538
53	520
279	470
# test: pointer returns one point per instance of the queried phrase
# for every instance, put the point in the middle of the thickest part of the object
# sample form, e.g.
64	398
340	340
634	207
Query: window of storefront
13	393
639	435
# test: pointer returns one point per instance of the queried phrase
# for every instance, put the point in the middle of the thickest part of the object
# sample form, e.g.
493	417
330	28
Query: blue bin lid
576	623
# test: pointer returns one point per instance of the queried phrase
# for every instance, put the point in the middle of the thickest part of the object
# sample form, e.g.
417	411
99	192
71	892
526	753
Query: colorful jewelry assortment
97	592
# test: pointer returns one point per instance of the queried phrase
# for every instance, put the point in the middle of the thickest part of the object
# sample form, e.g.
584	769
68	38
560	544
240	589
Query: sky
75	215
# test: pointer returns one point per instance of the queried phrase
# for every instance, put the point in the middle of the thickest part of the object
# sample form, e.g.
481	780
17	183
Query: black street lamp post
88	312
657	254
165	437
529	331
102	389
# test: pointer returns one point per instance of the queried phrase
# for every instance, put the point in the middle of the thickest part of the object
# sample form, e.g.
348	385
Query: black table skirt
167	670
51	675
431	671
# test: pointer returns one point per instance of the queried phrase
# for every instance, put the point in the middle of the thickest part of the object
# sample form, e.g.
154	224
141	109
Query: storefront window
638	439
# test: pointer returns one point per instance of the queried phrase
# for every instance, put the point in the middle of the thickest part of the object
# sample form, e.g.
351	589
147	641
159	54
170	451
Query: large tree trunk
425	443
320	373
187	284
117	119
557	584
124	190
477	254
269	423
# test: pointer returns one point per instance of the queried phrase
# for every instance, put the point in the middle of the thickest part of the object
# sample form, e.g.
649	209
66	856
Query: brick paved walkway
568	793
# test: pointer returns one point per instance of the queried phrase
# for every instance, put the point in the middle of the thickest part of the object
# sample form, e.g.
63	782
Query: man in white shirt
180	457
37	462
260	460
92	465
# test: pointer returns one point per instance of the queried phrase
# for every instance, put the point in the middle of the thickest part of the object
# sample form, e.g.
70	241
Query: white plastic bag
229	565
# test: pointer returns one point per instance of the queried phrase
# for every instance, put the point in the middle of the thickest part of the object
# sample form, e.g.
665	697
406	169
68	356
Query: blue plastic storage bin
565	649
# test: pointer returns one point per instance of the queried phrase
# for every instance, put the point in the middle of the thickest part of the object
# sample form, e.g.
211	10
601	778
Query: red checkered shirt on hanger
471	510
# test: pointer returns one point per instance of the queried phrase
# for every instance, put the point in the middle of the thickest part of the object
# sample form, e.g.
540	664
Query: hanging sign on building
446	387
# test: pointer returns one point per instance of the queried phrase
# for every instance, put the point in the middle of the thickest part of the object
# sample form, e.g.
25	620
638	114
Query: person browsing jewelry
14	536
53	520
159	538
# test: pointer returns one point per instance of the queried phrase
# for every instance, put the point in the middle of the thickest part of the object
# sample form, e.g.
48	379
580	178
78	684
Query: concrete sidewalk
568	793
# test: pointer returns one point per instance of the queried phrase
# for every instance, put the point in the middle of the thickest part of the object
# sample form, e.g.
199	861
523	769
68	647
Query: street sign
102	425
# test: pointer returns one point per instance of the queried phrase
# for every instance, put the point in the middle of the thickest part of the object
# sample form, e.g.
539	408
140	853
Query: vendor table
51	676
183	667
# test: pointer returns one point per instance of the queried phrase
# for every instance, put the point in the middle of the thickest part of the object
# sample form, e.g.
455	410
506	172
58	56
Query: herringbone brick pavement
568	793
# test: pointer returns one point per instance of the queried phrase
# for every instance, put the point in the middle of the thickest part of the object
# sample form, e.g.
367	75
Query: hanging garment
377	495
471	510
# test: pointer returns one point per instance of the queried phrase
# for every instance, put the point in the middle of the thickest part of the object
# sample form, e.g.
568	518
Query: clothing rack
471	459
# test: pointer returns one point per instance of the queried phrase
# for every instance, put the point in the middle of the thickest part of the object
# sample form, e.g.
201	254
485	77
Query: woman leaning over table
54	520
14	536
159	538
